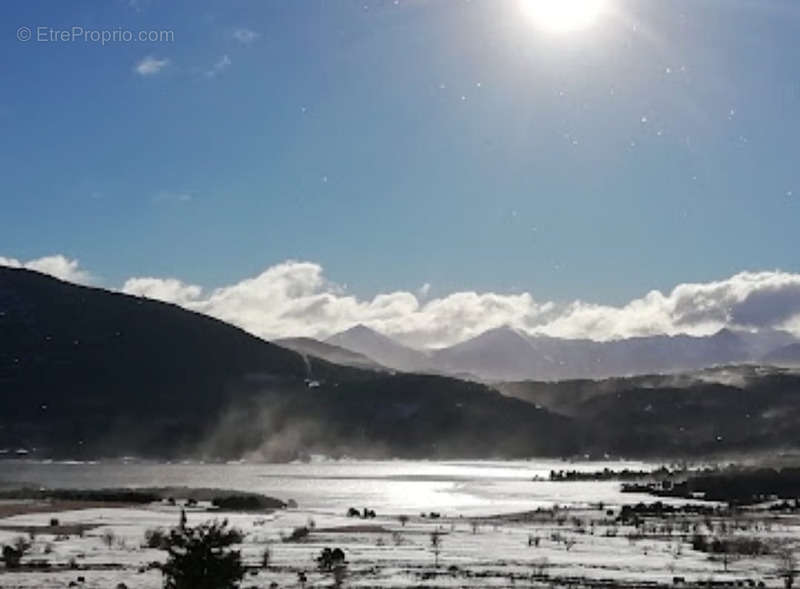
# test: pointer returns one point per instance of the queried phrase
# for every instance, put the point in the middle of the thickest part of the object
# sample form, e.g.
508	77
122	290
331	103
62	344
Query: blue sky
445	142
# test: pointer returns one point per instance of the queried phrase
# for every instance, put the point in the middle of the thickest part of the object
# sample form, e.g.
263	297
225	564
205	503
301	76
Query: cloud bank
296	299
59	266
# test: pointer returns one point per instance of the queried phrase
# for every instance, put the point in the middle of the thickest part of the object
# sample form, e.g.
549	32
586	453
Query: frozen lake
463	487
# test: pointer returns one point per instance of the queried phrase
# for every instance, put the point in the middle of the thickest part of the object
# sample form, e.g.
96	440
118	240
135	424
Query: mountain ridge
88	373
788	355
329	352
505	353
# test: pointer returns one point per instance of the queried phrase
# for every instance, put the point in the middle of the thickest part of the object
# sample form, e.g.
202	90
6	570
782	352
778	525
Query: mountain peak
360	328
503	335
361	333
381	348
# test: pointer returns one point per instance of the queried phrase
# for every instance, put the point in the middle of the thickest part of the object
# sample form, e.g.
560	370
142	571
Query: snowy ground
381	552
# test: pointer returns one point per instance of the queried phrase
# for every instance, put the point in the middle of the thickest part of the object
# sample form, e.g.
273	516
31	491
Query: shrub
330	559
333	561
246	503
298	534
699	543
540	567
730	545
201	558
155	538
12	555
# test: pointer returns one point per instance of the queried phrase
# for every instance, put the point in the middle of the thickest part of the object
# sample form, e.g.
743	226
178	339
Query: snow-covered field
483	545
382	552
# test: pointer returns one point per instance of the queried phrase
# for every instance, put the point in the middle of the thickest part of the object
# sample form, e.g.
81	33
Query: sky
458	153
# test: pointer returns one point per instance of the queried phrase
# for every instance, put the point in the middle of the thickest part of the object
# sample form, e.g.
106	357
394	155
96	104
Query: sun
564	16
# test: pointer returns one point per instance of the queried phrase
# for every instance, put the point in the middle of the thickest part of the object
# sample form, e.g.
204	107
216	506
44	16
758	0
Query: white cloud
150	66
746	300
423	290
168	290
57	266
295	298
10	262
245	36
219	66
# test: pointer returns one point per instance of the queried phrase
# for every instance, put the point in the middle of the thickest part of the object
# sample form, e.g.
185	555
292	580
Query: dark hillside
88	372
721	411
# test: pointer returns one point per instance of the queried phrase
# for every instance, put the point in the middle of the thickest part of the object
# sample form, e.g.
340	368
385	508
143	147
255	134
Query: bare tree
540	567
266	555
787	565
726	558
108	537
339	575
436	546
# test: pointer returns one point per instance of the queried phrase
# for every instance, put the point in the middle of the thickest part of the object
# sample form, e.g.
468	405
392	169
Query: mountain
504	354
499	354
308	346
508	354
85	372
784	356
722	411
384	350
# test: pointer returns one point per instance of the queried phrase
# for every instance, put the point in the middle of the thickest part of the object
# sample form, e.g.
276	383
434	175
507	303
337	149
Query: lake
454	487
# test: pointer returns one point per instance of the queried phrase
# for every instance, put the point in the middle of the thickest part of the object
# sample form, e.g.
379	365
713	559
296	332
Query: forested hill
723	411
88	372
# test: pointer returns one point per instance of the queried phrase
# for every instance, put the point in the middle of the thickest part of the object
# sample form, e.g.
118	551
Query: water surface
458	487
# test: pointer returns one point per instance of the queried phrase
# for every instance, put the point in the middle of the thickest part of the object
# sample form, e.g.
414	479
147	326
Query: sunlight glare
563	16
